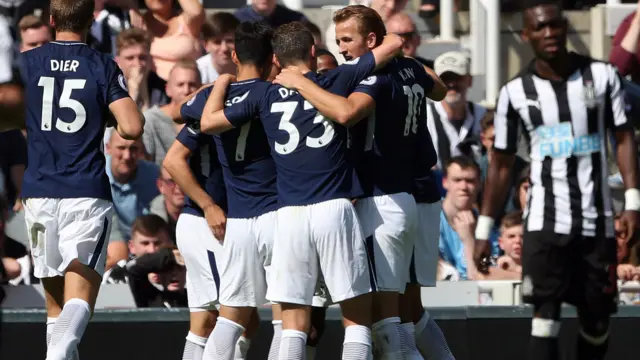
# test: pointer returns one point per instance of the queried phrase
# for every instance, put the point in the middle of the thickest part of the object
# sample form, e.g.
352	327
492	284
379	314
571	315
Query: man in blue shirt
73	92
270	12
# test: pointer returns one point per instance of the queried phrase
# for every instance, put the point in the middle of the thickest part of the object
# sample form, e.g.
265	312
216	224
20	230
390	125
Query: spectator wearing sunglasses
403	25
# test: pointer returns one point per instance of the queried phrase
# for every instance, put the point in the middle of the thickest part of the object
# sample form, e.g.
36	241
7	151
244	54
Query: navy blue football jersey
309	150
394	138
245	156
204	166
68	89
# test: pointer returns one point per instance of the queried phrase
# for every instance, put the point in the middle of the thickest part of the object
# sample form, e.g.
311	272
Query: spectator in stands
511	234
625	54
219	35
454	120
269	11
33	32
487	137
458	219
132	183
403	25
388	8
132	55
160	128
520	201
109	19
175	35
325	61
168	205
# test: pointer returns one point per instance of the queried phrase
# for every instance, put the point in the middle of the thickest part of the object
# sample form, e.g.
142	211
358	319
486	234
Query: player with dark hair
73	91
243	156
317	227
567	104
389	157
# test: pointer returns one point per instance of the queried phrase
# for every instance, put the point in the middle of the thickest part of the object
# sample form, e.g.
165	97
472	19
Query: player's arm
181	120
217	118
506	124
626	152
129	118
439	90
390	48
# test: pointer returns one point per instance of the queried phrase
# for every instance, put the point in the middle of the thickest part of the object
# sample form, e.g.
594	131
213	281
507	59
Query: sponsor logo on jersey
558	141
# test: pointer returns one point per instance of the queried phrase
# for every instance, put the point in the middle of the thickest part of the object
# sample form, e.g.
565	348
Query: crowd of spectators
169	50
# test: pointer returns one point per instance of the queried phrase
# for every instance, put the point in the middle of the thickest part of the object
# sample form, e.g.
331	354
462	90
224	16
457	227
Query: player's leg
84	225
318	315
274	349
199	250
388	245
292	278
423	273
347	272
599	299
547	261
243	286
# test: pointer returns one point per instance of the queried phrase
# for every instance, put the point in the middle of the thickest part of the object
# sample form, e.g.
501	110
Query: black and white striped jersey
567	124
446	137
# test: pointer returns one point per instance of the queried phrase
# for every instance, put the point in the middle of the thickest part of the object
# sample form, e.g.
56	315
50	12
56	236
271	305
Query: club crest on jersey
122	82
192	100
369	81
532	102
589	95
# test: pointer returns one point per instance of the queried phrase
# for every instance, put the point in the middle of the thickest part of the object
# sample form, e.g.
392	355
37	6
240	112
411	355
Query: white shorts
248	245
389	224
323	237
203	257
321	296
424	263
61	230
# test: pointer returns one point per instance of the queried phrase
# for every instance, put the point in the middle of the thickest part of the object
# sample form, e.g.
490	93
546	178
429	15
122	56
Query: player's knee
546	321
594	327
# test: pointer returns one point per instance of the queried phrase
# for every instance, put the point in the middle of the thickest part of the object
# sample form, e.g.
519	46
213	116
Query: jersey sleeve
189	138
116	83
352	72
615	109
427	156
243	111
506	122
373	86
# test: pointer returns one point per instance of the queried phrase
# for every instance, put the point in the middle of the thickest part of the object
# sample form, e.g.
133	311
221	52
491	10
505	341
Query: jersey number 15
48	85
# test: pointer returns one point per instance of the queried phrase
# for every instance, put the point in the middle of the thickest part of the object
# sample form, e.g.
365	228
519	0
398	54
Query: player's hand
178	257
225	80
628	272
136	77
628	222
17	207
217	220
289	77
394	40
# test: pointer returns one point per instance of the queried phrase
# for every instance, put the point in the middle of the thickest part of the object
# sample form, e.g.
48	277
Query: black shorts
575	269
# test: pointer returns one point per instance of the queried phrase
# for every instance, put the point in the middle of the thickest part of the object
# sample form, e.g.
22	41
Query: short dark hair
464	162
313	28
530	4
292	42
219	24
369	21
253	43
487	120
150	225
72	15
511	219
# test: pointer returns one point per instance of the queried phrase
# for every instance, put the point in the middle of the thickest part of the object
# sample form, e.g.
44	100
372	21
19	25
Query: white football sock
292	345
274	350
221	344
194	347
357	343
68	330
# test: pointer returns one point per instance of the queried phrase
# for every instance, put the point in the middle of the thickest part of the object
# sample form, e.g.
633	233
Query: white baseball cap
454	61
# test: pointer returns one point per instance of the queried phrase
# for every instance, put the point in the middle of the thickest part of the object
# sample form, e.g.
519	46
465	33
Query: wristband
632	200
484	226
